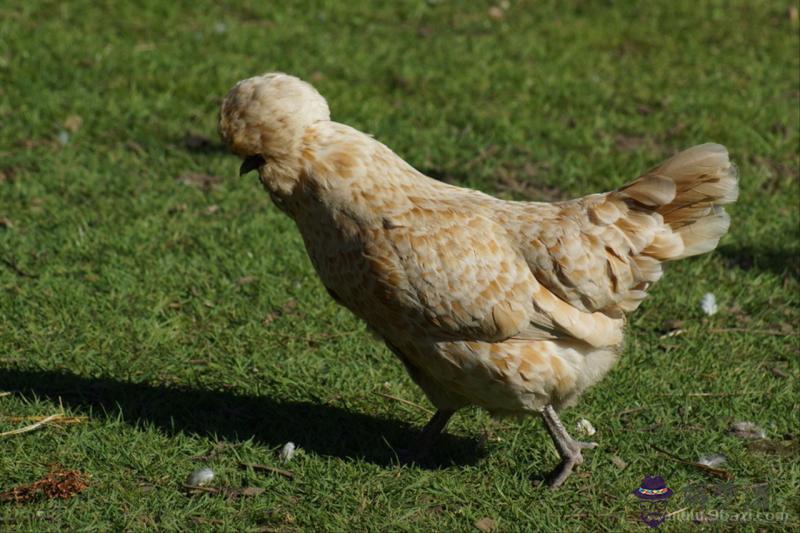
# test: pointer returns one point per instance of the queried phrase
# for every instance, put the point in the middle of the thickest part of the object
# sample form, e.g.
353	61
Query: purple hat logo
653	494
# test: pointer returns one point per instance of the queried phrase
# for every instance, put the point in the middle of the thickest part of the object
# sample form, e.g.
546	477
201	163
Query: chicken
515	307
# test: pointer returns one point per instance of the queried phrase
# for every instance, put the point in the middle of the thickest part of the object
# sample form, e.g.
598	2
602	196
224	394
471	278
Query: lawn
167	307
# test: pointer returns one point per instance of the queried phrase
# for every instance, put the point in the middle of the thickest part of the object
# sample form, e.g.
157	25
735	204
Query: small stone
63	137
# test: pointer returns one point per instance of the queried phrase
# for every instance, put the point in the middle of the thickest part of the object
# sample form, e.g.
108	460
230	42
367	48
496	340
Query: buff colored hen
516	307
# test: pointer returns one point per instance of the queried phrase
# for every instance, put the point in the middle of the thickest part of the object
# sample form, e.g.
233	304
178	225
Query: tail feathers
688	192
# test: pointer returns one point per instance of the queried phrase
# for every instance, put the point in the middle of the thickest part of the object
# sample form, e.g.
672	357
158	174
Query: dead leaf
486	524
246	491
777	369
495	13
8	174
135	147
746	430
424	31
57	484
246	280
286	309
629	143
31	144
5	223
771	447
669	325
672	328
619	462
73	123
143	47
202	181
178	208
792	13
145	486
211	210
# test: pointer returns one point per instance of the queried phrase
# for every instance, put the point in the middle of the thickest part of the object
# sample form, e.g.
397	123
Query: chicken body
516	307
440	273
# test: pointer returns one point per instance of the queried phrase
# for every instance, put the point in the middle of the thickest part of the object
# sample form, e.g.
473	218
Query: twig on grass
229	492
746	330
404	401
485	153
267	468
709	394
716	472
42	421
673	513
31	427
63	419
632	410
196	488
18	271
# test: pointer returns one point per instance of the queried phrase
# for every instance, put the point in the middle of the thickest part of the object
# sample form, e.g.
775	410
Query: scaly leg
427	437
568	448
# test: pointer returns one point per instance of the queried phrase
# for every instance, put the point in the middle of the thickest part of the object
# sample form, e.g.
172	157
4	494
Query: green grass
122	298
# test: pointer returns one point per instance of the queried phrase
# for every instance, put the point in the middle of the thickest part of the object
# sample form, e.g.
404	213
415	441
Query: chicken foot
568	448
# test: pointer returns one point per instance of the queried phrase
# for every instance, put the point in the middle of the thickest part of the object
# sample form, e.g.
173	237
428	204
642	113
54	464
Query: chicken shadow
780	262
227	416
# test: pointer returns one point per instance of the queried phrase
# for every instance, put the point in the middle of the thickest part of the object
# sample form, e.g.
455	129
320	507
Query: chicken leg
427	437
568	448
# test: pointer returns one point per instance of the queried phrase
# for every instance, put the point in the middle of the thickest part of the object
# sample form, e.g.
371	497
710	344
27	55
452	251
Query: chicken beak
251	163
